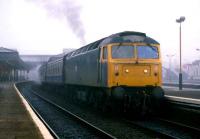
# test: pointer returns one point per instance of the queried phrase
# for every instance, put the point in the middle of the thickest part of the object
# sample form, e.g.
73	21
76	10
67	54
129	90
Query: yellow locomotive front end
134	73
134	65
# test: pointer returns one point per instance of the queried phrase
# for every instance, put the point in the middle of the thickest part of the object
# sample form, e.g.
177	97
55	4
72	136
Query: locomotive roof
127	36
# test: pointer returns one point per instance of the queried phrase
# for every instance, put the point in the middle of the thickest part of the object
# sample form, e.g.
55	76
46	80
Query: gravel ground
106	121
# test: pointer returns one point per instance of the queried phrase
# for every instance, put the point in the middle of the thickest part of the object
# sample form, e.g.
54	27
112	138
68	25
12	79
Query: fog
48	27
33	74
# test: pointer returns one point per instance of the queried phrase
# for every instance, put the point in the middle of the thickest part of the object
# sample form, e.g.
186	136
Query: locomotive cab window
147	52
122	52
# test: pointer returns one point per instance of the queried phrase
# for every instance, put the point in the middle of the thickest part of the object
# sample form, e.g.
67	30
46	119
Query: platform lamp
180	20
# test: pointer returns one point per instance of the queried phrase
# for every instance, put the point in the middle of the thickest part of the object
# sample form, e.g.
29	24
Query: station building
193	70
12	68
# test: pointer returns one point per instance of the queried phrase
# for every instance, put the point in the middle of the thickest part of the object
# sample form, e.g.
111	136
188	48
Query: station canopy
9	59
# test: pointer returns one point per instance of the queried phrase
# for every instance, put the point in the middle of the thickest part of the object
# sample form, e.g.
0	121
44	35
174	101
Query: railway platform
15	120
185	92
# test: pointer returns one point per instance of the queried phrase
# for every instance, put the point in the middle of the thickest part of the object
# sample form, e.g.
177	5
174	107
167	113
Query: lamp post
180	20
170	60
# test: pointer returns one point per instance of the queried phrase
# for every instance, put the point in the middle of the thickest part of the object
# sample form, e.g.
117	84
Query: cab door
103	67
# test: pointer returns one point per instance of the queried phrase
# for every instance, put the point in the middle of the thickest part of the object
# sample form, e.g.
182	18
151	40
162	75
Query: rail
157	132
167	129
97	130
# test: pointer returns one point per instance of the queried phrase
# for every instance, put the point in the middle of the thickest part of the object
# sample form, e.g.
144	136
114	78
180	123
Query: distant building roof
196	62
11	59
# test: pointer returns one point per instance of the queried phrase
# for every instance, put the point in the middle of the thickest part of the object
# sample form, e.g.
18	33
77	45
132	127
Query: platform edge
42	128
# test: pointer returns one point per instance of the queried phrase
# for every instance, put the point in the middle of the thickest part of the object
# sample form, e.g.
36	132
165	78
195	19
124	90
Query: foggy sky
47	27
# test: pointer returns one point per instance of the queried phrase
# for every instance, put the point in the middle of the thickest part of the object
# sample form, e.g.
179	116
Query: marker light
116	68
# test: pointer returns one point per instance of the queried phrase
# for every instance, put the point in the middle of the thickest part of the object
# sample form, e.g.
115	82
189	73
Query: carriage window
147	52
105	53
122	51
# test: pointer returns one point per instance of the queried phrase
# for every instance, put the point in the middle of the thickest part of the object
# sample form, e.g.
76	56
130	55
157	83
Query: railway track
54	134
173	124
108	123
191	129
96	130
167	129
161	128
165	133
78	127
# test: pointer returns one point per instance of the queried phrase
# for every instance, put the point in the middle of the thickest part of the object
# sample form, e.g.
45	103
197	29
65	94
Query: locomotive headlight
127	71
145	70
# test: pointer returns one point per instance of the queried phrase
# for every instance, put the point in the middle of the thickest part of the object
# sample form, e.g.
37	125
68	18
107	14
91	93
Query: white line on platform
183	99
43	130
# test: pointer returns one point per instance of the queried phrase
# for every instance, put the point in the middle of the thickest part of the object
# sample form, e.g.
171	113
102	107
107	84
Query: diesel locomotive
121	70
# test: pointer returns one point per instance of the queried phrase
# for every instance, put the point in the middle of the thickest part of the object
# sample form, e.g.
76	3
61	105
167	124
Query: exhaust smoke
68	9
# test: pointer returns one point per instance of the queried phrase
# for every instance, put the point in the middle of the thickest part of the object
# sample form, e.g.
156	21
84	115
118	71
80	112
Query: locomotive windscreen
122	51
147	52
143	52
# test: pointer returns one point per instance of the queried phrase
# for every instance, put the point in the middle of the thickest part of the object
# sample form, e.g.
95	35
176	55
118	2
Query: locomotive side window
123	52
147	52
105	53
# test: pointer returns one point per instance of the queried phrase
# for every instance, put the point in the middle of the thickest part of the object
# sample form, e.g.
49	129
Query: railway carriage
54	70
